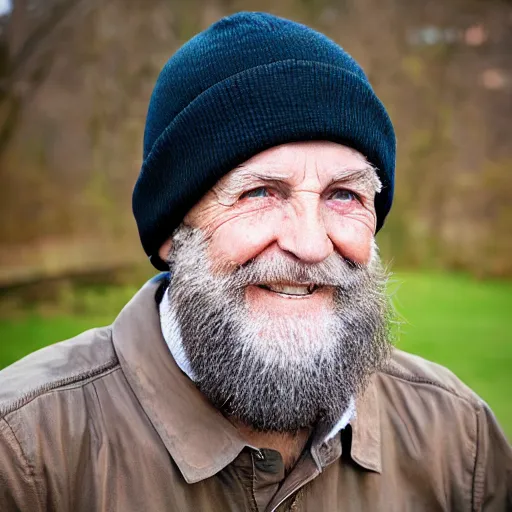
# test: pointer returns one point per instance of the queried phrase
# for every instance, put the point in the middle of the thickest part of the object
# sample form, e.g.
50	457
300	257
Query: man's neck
290	446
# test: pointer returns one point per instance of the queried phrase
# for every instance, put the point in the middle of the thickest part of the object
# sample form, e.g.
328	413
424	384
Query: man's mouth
290	290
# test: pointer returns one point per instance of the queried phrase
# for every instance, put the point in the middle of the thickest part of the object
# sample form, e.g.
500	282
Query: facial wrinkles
227	192
300	181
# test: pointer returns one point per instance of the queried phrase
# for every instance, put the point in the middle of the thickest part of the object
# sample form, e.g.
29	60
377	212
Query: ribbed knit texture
249	82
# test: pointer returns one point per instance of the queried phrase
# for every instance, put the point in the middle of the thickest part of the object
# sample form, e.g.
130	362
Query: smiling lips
290	290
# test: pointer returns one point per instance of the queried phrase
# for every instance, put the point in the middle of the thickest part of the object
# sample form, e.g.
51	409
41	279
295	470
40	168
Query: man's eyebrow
264	173
244	176
365	175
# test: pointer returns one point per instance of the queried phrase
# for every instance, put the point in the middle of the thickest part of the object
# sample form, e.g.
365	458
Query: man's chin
291	342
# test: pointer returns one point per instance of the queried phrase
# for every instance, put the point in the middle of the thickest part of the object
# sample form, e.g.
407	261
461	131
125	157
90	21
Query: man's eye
255	192
344	195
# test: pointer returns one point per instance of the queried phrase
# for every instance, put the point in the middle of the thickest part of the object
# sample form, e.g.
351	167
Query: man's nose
303	234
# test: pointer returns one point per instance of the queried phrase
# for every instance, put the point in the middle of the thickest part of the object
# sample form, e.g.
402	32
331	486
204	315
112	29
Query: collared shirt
107	421
172	336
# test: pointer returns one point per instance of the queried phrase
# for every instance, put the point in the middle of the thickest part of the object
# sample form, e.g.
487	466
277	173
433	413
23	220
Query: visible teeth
291	290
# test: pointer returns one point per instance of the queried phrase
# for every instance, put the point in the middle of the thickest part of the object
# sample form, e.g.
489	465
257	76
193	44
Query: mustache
335	271
346	275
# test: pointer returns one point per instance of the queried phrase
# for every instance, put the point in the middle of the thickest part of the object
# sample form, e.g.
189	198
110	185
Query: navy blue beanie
249	82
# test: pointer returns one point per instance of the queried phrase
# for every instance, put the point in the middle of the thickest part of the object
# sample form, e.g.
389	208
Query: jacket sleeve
18	492
492	483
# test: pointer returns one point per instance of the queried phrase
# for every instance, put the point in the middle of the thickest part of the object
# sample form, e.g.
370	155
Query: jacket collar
199	438
366	438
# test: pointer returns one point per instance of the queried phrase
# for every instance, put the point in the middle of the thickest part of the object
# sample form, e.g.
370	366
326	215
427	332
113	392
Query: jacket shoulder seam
471	400
19	402
85	381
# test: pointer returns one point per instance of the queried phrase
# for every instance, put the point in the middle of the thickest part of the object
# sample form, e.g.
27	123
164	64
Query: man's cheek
244	238
353	239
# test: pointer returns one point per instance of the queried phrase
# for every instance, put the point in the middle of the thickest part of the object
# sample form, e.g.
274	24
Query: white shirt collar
172	336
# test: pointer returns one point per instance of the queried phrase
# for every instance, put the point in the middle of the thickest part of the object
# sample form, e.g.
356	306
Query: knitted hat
249	82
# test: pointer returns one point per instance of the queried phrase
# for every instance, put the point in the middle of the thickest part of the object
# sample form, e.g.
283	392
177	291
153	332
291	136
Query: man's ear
165	250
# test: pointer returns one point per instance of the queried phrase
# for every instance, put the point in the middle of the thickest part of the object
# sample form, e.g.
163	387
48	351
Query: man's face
276	286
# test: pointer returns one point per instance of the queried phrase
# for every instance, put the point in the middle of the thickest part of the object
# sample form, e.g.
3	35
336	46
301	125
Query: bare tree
30	37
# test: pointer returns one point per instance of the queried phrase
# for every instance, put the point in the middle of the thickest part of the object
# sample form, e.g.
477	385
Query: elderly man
257	375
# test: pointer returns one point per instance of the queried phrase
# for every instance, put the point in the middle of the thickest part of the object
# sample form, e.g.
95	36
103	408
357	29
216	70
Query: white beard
275	373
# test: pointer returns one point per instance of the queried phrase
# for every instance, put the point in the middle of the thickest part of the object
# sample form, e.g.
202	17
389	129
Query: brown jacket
107	422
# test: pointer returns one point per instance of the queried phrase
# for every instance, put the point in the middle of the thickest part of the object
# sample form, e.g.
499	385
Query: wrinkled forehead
313	162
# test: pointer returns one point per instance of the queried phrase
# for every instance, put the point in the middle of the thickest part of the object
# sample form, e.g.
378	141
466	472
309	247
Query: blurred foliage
90	294
75	81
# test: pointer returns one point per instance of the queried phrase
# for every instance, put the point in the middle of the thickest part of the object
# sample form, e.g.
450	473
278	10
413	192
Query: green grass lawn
451	319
